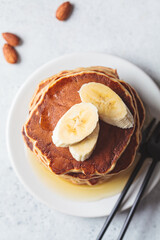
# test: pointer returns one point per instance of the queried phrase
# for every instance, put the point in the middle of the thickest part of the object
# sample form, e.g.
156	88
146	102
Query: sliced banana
75	125
110	106
83	150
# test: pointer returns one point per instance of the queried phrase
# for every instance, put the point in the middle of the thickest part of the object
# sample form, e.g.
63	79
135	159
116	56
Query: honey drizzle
62	187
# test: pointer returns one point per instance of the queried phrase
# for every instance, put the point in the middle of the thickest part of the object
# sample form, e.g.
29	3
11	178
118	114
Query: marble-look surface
129	29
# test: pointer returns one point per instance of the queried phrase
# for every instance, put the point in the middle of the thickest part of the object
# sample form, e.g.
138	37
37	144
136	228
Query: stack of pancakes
116	148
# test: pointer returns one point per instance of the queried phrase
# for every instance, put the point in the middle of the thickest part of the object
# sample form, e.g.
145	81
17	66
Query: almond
10	53
64	11
11	38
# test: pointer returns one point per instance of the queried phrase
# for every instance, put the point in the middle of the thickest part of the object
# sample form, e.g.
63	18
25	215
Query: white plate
148	91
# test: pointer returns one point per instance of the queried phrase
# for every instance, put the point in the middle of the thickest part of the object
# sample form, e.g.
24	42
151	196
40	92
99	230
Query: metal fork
152	149
148	148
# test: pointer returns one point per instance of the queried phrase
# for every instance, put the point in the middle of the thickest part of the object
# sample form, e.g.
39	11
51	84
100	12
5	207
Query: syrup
62	187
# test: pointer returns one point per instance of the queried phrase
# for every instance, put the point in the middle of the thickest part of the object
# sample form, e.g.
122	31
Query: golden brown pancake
53	97
57	100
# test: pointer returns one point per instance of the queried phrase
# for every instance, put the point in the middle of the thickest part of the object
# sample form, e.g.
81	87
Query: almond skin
10	53
11	38
64	11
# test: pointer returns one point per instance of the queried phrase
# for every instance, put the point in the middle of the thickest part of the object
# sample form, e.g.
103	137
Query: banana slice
75	125
110	106
83	150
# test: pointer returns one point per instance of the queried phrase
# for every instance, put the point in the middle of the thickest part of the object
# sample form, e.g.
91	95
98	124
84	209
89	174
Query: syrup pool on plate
62	187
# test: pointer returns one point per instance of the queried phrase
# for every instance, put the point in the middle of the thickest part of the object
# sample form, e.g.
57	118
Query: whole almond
64	10
11	38
10	53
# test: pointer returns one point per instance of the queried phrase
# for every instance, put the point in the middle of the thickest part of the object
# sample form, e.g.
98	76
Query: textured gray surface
129	29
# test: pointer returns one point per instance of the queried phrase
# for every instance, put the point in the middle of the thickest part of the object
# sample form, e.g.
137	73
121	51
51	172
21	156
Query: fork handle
122	196
138	197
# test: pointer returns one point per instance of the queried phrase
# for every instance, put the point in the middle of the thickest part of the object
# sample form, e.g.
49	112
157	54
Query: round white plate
148	91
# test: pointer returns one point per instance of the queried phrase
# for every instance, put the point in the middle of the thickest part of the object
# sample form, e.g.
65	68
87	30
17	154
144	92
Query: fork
152	149
148	148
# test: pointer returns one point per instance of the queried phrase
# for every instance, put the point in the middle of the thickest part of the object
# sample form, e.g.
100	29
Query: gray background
126	28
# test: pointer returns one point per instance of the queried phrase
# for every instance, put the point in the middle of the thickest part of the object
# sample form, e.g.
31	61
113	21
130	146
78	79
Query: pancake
55	101
61	162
